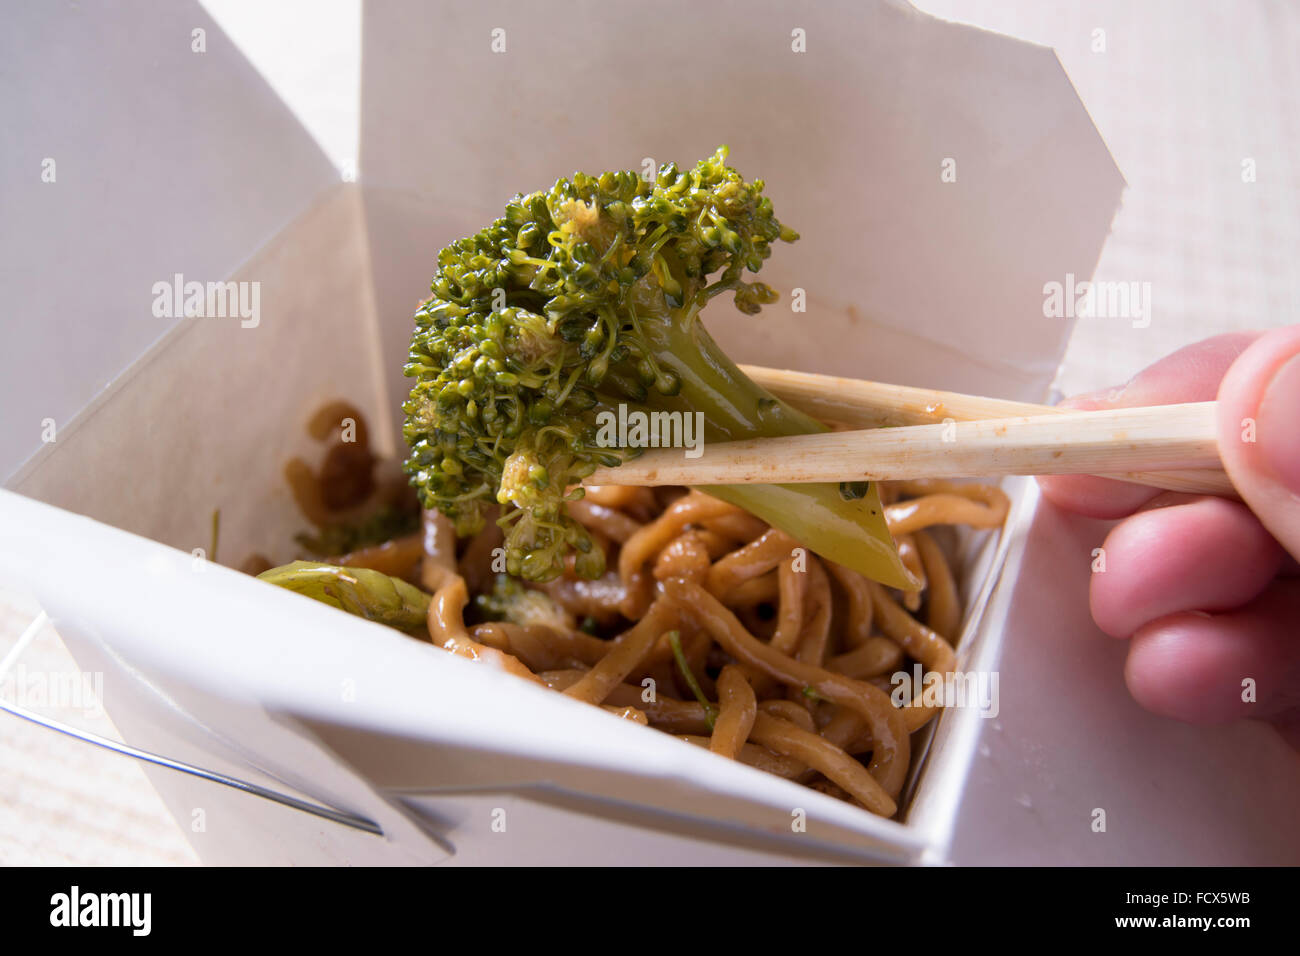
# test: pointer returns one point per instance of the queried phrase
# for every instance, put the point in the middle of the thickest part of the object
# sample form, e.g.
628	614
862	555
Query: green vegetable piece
679	655
360	591
583	298
510	601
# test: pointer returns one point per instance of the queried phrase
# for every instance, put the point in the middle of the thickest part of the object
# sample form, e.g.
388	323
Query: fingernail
1278	424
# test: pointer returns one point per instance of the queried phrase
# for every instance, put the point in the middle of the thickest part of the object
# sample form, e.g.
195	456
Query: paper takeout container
174	163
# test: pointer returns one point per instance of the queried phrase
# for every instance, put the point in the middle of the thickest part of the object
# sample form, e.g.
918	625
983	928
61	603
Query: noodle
792	741
447	631
332	415
911	559
915	638
789	622
612	523
624	654
686	556
475	563
306	491
737	708
599	600
759	590
540	647
654	537
943	613
439	562
888	761
858	630
635	500
758	557
789	710
919	642
817	632
792	653
346	476
848	731
946	502
667	713
879	655
800	691
395	557
738	525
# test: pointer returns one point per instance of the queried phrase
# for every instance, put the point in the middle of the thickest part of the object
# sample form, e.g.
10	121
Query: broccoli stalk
843	523
583	298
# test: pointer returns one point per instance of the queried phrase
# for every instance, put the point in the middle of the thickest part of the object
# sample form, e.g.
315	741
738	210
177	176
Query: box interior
909	279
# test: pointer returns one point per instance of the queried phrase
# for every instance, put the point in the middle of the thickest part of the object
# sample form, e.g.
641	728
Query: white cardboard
943	288
200	422
165	161
850	137
1070	741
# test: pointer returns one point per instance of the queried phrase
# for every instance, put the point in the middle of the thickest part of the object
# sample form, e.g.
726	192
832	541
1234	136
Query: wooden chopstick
947	435
863	404
857	403
1106	442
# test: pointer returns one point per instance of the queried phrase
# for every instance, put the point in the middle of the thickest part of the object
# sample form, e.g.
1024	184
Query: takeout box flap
137	147
857	138
404	715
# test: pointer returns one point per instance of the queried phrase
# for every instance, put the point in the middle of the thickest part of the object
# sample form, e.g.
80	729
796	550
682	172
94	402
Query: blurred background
1188	96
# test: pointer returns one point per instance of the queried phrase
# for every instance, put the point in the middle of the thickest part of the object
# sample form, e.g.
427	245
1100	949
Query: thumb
1259	431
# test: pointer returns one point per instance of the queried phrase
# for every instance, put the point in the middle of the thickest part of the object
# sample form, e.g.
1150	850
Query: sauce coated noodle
791	651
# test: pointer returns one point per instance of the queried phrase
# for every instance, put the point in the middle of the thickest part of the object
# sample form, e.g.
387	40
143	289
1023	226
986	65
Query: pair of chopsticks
946	435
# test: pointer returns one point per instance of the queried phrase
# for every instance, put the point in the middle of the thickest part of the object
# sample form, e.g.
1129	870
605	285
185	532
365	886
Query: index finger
1192	374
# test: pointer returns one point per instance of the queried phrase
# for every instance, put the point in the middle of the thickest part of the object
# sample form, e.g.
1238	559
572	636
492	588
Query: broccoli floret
510	601
582	298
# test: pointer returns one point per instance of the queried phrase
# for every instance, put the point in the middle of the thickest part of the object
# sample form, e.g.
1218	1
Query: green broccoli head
578	299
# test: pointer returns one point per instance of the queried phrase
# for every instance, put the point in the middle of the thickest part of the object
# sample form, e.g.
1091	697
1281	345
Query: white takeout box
176	163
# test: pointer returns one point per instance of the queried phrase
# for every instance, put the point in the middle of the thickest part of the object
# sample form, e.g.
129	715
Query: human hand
1207	590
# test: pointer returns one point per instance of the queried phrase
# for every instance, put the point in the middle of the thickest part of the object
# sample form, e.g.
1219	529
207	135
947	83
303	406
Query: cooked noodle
790	653
737	708
802	690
